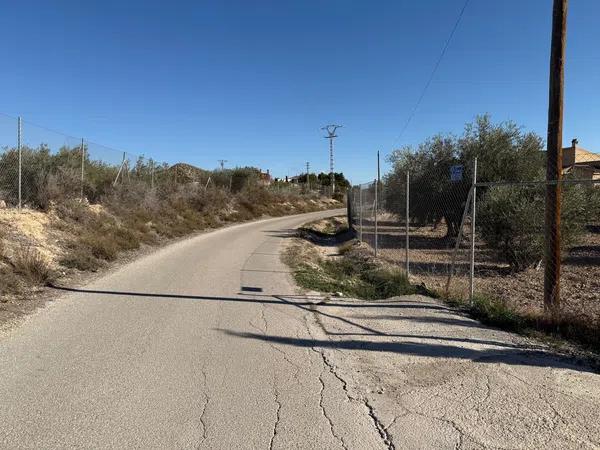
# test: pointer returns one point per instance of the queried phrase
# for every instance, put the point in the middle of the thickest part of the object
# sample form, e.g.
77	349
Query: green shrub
504	153
353	276
510	219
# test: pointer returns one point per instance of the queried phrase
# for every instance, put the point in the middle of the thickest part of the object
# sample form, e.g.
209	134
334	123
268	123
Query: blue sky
253	81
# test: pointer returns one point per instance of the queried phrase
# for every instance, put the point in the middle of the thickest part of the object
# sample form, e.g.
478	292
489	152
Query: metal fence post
473	211
375	213
360	209
20	161
82	167
407	223
349	208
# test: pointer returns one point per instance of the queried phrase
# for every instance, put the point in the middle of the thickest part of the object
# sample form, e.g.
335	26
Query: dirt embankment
72	241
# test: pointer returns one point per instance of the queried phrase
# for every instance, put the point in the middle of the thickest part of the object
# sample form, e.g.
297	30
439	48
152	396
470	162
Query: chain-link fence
424	223
39	166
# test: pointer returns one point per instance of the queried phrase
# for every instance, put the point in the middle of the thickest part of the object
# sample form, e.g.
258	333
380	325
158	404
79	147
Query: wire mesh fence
39	166
511	237
424	223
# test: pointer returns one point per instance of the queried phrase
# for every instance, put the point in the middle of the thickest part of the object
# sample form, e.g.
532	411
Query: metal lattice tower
331	136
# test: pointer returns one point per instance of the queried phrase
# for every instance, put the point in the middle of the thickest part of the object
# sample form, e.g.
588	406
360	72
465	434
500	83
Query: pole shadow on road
503	352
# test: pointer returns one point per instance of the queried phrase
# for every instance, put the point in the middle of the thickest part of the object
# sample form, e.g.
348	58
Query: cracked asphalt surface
206	344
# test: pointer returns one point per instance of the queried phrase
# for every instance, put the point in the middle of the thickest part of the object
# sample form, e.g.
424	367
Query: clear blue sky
253	81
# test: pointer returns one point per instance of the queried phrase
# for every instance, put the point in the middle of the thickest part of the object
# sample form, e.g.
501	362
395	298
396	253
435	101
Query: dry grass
131	218
32	266
330	226
497	312
73	236
9	281
346	247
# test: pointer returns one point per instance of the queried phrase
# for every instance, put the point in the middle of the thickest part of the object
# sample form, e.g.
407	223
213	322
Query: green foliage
324	179
352	275
433	197
511	220
510	217
504	153
52	177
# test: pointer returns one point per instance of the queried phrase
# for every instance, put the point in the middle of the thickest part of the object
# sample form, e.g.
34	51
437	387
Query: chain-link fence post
349	209
473	211
375	215
19	150
121	170
360	210
407	216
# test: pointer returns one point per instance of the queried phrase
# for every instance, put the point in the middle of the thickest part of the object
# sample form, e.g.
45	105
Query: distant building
580	162
265	178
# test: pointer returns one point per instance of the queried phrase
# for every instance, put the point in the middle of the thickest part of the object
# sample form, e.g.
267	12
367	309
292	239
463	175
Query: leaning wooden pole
554	159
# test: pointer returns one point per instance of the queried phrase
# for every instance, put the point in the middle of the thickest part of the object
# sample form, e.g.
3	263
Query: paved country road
145	357
205	344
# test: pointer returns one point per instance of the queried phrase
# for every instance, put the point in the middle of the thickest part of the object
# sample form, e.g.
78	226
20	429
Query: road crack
387	438
204	407
327	364
277	417
324	412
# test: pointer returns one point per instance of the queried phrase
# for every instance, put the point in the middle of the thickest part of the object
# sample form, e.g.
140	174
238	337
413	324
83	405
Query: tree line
510	216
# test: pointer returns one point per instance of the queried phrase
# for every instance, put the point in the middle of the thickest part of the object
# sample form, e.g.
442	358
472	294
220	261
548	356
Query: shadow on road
376	340
283	299
511	356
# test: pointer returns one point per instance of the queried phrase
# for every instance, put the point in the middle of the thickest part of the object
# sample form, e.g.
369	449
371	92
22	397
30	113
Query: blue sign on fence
456	173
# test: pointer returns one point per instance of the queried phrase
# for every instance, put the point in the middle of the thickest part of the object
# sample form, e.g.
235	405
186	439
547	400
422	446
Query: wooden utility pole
554	157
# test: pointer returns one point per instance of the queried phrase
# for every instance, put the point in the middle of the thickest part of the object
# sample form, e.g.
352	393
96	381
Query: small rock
3	204
338	294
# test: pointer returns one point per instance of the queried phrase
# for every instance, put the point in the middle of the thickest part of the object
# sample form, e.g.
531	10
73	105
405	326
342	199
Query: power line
433	72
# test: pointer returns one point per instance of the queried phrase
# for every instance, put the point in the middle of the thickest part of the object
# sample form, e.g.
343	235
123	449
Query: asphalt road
205	344
152	356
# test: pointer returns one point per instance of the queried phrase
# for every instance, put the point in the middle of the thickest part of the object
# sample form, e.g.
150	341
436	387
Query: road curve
153	356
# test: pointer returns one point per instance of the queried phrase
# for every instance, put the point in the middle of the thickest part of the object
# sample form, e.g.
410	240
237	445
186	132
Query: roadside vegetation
350	273
58	235
326	258
510	235
510	216
493	311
